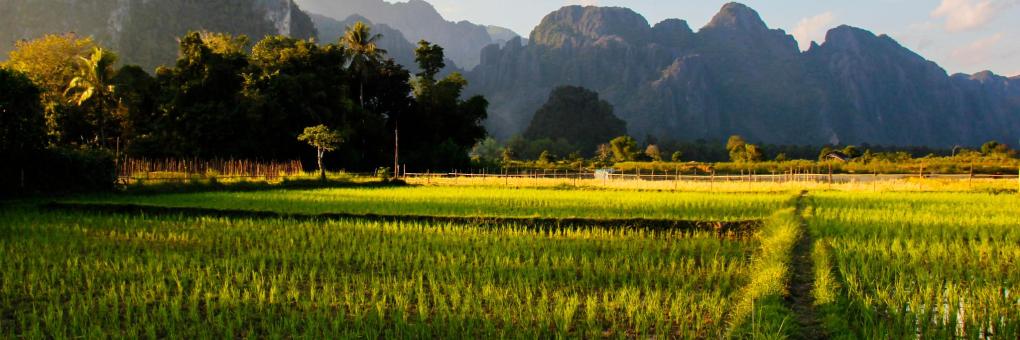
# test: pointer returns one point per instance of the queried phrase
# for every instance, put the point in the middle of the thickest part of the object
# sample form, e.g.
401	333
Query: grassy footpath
762	311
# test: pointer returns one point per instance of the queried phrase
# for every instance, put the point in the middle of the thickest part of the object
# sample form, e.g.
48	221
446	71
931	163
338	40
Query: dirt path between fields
802	281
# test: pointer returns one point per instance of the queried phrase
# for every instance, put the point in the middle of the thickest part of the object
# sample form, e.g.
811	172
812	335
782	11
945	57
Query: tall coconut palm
362	52
93	85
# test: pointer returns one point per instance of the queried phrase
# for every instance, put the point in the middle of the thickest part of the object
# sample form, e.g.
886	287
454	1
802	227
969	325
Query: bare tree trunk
102	123
396	149
322	170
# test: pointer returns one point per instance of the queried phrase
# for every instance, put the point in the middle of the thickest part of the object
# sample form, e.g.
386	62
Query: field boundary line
744	228
801	285
761	310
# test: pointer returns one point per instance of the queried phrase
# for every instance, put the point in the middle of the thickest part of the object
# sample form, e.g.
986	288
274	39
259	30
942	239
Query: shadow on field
738	229
207	186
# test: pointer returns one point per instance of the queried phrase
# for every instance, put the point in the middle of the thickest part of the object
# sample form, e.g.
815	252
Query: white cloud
962	15
813	29
979	52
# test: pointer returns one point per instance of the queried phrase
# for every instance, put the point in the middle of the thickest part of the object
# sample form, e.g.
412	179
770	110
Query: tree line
228	98
575	128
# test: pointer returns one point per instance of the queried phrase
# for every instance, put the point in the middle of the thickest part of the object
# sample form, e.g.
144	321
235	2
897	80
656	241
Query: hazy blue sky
961	35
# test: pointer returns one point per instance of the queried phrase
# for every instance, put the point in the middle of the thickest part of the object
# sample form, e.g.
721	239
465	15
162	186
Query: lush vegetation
455	256
917	265
625	154
226	98
73	275
477	202
140	29
886	264
576	118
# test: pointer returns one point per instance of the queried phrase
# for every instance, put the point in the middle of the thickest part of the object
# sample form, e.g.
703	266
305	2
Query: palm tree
362	51
93	84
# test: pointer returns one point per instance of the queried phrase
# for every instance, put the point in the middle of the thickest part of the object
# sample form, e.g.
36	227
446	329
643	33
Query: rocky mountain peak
672	32
737	16
985	76
848	38
581	26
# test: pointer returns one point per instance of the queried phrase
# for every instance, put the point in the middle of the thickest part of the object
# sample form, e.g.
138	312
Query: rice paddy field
908	265
477	201
879	264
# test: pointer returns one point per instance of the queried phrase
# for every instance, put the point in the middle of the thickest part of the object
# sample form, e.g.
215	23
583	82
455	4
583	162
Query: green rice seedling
761	311
476	202
109	275
928	265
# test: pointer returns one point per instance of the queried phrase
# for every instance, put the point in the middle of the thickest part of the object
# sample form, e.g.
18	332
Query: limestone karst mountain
738	76
417	20
144	32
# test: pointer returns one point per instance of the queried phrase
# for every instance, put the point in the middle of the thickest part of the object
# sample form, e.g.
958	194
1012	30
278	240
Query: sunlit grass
737	184
929	265
81	275
477	202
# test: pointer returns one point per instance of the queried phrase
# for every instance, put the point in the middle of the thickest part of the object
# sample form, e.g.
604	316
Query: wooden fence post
830	174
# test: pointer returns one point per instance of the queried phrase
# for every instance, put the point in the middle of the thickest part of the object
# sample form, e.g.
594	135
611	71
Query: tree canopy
578	116
224	98
22	127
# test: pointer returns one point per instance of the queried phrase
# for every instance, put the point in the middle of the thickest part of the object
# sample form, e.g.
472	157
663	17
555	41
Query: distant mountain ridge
738	76
417	20
144	32
393	41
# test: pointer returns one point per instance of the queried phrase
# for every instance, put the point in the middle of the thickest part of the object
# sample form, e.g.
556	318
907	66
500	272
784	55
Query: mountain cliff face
738	76
144	32
393	41
418	20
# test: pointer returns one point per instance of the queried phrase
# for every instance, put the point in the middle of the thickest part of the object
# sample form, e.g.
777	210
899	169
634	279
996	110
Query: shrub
55	171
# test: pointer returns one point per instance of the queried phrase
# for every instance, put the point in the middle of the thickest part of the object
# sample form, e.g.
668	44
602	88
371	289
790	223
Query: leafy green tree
291	84
202	111
93	86
737	148
995	148
781	157
225	44
508	155
445	127
826	151
989	147
323	140
740	151
546	157
137	93
51	61
852	151
488	150
363	52
624	149
653	153
735	142
431	60
577	115
22	125
677	156
604	155
753	153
